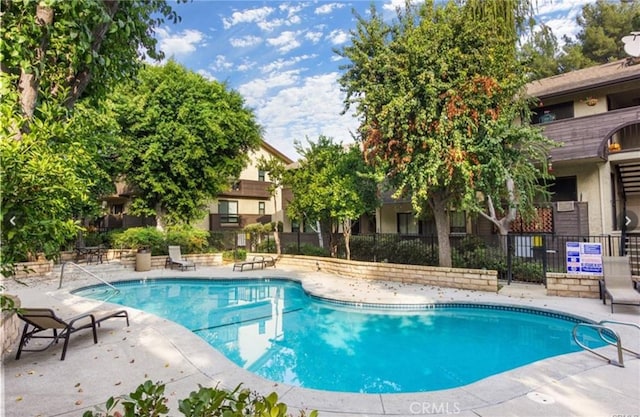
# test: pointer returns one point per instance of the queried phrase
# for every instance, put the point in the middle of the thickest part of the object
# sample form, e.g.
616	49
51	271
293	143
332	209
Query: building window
235	186
405	221
261	208
457	222
261	175
546	114
564	189
295	226
116	209
228	211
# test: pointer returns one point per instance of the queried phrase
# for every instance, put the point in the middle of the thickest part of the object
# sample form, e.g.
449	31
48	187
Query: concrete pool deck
152	348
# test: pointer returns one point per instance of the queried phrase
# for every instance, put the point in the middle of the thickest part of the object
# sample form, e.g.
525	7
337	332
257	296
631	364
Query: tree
332	183
437	94
54	55
540	54
277	172
186	140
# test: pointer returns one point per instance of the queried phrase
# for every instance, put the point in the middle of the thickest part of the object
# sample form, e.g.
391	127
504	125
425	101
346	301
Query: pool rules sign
584	258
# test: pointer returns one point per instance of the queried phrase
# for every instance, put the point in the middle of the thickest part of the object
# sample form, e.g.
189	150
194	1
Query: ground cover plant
149	400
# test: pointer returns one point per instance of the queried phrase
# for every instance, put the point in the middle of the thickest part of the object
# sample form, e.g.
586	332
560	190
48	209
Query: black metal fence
519	257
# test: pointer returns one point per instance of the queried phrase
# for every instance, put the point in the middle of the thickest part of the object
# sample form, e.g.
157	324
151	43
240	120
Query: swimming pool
276	330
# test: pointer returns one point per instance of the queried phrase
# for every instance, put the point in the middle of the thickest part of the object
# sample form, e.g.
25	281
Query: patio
39	384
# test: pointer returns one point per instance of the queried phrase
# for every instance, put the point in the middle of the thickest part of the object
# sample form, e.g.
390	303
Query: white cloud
392	5
245	41
285	42
221	64
306	110
179	44
328	8
247	16
280	63
338	36
314	37
256	90
246	65
206	74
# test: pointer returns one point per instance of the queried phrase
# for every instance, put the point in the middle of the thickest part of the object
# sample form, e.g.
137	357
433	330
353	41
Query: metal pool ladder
85	271
610	333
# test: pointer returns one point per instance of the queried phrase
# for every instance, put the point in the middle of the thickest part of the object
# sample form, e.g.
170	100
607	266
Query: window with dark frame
228	211
262	175
404	222
564	189
261	208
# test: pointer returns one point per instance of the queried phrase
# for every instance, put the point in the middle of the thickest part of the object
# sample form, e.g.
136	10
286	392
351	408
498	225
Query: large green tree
437	93
278	178
332	184
56	159
186	139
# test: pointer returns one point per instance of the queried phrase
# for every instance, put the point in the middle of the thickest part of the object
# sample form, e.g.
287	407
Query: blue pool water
274	329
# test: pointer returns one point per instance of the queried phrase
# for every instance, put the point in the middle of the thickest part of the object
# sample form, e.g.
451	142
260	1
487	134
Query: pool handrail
601	328
87	272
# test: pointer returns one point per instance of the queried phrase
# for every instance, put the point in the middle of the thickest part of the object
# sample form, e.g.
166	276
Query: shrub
141	237
190	239
148	400
306	249
234	255
362	248
267	246
527	271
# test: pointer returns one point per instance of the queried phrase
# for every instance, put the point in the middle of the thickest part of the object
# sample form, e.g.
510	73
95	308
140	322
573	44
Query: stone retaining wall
11	325
574	285
158	262
33	269
468	279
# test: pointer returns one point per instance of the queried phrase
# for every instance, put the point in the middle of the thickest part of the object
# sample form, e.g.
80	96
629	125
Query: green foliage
190	239
140	238
267	246
186	140
435	92
56	159
219	241
332	183
306	249
234	255
149	400
602	26
527	271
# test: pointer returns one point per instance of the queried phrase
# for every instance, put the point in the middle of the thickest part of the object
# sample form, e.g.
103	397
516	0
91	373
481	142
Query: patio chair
617	282
175	258
41	320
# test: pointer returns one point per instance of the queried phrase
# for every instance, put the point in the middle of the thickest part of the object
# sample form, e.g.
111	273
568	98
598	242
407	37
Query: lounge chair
175	258
257	262
617	283
40	320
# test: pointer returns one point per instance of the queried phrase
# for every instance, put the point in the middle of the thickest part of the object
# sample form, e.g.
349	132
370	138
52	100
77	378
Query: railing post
509	259
545	263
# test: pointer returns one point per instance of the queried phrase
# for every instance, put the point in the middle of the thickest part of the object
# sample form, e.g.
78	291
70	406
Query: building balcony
586	137
248	189
220	222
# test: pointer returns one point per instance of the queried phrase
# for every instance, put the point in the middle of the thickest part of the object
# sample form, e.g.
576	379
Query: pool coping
486	394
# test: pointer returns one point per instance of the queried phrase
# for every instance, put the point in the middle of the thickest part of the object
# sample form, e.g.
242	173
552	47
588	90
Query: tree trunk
28	84
346	232
276	232
441	215
159	217
503	224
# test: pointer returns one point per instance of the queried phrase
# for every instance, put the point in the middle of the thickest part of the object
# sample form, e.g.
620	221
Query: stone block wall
573	285
468	279
11	325
33	269
158	262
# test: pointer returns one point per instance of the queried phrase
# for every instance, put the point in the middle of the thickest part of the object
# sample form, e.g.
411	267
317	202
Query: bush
190	239
267	246
234	255
362	248
306	249
148	400
527	271
141	237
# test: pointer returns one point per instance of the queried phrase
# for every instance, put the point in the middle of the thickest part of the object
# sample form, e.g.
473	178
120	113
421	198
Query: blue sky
279	56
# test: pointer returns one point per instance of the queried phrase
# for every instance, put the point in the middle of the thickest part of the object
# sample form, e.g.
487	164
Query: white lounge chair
175	258
617	282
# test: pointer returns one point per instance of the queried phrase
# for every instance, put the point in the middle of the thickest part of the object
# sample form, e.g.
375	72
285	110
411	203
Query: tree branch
79	81
29	83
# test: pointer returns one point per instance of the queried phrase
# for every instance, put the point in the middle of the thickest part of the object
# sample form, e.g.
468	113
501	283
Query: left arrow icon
13	221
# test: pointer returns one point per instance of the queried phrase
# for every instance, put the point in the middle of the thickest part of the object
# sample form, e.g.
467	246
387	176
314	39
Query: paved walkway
39	384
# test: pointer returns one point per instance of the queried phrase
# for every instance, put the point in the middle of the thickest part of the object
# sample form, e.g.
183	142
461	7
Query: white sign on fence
584	258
